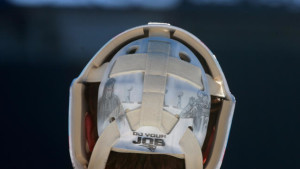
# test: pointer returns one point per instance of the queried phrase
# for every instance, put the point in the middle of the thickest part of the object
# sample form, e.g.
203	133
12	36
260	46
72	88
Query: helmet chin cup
159	90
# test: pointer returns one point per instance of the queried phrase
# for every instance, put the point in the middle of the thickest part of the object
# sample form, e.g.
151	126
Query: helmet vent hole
183	56
191	128
111	119
132	50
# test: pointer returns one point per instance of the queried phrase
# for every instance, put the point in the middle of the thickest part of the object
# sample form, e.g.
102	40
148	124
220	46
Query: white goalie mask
157	90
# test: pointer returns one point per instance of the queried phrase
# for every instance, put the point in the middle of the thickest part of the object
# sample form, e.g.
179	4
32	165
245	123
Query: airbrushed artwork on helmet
196	106
198	109
124	93
120	94
185	99
188	101
110	104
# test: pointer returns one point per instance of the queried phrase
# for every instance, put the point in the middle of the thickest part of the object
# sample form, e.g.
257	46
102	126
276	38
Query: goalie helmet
153	89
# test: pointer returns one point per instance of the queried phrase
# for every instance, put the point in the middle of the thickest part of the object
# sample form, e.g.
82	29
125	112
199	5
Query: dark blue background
44	48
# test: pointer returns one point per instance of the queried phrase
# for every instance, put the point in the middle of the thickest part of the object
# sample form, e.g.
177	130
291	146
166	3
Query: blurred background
44	44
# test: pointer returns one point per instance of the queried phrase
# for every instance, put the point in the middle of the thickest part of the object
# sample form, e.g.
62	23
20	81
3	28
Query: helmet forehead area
174	49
